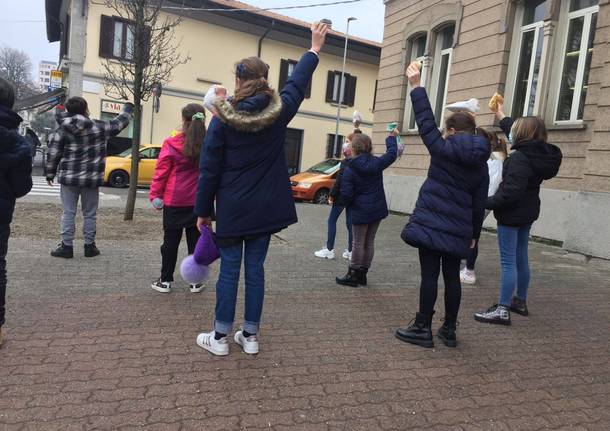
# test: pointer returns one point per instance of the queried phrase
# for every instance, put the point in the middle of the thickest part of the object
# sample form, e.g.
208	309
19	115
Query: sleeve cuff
313	52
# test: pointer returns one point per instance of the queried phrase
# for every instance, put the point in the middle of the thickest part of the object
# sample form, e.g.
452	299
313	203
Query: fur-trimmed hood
252	114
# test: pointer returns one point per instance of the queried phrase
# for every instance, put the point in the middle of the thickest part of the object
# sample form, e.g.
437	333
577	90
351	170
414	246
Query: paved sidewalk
90	346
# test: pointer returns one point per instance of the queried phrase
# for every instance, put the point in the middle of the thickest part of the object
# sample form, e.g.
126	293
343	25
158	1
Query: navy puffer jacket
243	164
362	185
15	164
451	203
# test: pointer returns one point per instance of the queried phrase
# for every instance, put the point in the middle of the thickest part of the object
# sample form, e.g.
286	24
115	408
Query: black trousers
5	231
169	249
430	262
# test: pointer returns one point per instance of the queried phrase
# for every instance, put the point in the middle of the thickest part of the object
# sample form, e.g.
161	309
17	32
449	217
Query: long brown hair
497	144
194	130
529	129
252	73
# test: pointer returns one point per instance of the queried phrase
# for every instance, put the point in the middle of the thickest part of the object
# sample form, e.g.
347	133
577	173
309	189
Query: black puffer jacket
15	164
517	201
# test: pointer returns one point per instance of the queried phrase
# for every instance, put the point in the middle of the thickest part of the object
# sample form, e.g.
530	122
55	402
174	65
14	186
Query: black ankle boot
91	250
447	332
350	279
362	276
419	331
64	251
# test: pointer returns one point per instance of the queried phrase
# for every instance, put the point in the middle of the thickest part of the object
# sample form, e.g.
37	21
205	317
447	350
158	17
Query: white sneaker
207	341
162	286
347	255
196	288
325	253
467	276
250	344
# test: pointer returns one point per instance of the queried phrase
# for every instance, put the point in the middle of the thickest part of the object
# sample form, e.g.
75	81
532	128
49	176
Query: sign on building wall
112	107
56	79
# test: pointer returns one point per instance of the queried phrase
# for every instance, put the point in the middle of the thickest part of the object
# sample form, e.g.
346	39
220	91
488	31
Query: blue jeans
335	212
226	288
513	242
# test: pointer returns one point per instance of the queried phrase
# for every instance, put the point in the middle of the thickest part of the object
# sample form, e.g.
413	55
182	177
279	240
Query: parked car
315	183
118	167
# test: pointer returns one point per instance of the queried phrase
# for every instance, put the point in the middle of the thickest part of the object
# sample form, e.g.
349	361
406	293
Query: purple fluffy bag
195	268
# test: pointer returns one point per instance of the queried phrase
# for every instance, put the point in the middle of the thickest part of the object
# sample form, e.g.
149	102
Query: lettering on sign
56	79
112	107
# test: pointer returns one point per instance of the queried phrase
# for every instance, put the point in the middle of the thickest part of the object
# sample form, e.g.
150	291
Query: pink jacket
175	180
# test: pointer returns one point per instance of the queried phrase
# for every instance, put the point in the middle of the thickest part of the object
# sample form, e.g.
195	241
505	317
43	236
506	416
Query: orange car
315	183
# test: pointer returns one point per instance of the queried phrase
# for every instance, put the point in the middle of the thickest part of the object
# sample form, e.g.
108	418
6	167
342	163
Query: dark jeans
430	262
254	253
335	212
364	244
5	231
169	249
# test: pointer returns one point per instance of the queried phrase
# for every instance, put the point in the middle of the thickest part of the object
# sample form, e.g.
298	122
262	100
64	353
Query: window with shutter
106	36
117	38
334	85
350	89
286	69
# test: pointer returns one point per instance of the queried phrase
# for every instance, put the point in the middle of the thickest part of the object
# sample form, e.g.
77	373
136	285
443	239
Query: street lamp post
341	84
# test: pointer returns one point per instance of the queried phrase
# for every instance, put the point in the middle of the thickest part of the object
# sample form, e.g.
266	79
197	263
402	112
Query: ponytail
193	116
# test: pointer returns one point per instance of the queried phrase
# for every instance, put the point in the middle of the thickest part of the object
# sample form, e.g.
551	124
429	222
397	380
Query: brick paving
90	346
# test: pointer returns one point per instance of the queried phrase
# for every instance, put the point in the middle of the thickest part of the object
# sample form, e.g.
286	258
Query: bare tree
151	54
16	67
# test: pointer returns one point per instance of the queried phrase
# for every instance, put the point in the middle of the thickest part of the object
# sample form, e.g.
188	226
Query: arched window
416	48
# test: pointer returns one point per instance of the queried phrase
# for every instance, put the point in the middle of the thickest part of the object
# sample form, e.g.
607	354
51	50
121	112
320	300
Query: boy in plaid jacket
77	158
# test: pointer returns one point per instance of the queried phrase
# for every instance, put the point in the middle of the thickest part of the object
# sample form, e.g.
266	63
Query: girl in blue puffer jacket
448	214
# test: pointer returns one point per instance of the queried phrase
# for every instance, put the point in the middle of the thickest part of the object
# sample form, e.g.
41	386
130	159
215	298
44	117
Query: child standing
363	193
516	205
448	214
337	207
15	177
499	153
174	189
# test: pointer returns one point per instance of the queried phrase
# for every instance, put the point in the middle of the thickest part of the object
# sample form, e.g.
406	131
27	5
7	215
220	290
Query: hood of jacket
77	124
544	158
252	114
176	141
13	146
472	149
364	164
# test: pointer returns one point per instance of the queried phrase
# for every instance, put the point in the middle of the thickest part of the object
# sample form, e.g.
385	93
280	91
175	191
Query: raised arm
210	169
295	88
391	152
118	123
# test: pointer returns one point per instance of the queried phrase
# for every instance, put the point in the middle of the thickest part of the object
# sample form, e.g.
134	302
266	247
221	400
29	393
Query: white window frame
587	13
436	72
538	29
408	113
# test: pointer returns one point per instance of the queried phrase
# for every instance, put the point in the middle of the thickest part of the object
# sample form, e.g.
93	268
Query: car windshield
326	167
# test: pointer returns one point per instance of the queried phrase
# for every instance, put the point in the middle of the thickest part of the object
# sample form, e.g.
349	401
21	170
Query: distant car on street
118	167
315	183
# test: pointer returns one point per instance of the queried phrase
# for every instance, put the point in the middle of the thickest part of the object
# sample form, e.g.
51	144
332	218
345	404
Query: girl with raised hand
448	214
516	206
173	191
243	168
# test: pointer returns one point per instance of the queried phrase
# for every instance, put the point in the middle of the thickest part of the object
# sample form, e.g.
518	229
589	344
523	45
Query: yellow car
118	167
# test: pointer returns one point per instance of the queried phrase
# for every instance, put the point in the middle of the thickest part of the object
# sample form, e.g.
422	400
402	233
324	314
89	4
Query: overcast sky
24	28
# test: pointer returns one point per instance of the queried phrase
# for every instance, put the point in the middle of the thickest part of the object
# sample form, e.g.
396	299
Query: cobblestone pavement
90	346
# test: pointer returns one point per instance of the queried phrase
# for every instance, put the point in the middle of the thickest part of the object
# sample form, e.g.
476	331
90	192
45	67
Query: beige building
215	41
549	58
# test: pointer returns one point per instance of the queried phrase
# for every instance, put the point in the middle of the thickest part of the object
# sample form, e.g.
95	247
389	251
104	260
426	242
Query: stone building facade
550	58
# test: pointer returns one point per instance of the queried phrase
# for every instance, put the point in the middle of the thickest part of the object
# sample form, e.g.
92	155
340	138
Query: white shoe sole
197	290
471	282
246	349
324	257
212	351
160	289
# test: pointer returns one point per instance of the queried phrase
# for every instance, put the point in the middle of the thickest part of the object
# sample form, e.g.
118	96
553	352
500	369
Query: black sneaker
519	306
63	251
161	286
91	250
496	314
350	279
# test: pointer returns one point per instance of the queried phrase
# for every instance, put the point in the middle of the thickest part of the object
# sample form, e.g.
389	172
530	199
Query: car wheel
321	197
119	179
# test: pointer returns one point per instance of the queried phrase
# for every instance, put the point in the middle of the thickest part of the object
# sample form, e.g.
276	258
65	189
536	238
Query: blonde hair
529	129
361	144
